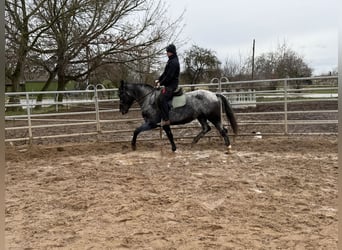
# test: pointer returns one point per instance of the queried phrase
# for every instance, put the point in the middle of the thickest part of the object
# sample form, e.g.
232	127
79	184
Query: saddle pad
178	101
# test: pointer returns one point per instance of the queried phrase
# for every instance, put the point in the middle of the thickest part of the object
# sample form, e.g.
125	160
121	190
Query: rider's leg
164	98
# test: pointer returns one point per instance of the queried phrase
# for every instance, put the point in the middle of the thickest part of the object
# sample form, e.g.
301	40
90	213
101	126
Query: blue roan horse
200	104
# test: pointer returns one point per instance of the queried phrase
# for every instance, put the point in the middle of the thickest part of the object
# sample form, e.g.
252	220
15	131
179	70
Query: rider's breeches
164	97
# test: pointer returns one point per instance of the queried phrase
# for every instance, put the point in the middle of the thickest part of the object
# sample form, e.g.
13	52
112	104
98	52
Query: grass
321	91
37	86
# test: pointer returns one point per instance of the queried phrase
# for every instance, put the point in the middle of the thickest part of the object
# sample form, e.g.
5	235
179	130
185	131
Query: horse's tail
229	112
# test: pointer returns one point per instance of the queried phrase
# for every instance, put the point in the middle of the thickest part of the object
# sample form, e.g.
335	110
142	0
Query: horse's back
202	99
202	94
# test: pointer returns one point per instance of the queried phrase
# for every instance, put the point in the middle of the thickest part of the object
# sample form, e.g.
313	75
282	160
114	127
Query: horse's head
126	99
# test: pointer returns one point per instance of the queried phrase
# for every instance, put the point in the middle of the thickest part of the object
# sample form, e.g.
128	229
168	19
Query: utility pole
253	59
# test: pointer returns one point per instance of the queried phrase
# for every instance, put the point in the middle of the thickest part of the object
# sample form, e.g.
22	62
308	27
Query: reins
144	95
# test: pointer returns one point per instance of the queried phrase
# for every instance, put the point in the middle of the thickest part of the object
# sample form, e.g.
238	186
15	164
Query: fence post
28	110
220	91
285	106
220	86
224	79
56	101
97	111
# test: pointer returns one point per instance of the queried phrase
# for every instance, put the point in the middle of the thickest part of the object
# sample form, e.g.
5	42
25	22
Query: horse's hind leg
224	134
169	134
205	129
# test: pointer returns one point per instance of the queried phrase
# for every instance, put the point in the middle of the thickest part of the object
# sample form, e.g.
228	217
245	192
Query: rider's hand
157	84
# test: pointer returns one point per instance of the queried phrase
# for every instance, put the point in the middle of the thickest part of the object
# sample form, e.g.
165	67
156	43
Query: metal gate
289	106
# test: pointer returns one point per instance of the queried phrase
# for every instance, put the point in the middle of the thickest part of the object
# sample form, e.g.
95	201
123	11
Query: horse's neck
141	93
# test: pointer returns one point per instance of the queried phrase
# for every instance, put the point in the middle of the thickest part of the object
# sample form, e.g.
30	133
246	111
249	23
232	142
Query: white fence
276	106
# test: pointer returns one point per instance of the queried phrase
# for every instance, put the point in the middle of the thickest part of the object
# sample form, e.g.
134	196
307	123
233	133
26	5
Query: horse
202	105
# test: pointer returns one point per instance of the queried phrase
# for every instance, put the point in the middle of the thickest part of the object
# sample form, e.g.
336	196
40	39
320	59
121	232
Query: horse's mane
144	85
138	84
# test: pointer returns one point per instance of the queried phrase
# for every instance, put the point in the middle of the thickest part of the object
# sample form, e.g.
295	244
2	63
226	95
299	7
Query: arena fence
289	106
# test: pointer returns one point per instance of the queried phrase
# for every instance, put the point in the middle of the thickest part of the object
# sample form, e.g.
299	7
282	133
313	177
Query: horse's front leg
144	127
168	132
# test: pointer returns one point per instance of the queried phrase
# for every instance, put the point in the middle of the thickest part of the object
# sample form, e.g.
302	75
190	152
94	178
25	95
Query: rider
169	79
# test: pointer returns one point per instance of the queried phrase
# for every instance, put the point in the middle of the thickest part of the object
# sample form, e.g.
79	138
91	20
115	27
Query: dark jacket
170	76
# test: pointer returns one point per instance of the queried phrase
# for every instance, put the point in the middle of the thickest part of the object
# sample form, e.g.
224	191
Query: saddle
178	92
178	98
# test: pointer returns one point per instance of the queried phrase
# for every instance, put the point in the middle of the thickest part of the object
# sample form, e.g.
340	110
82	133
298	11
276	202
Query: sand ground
270	193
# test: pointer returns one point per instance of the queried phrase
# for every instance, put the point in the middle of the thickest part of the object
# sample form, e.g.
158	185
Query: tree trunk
61	85
45	87
15	99
19	69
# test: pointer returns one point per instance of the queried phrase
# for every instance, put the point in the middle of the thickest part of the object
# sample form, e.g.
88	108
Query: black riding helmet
171	48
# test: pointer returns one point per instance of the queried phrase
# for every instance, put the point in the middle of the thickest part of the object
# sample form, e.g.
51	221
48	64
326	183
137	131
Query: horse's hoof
174	148
229	149
134	147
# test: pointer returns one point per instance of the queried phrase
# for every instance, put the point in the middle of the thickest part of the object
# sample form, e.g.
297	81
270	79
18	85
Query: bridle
148	93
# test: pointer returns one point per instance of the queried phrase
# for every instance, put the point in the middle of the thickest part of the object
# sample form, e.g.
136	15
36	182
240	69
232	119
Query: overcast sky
228	27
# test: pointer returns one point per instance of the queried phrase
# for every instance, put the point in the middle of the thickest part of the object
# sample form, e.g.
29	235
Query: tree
22	33
200	65
95	33
282	63
236	69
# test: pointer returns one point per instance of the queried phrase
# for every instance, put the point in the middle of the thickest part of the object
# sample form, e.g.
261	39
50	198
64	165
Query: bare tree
236	69
284	62
22	33
95	33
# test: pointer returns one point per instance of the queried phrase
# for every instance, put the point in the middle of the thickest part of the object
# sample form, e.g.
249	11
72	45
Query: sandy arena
270	193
